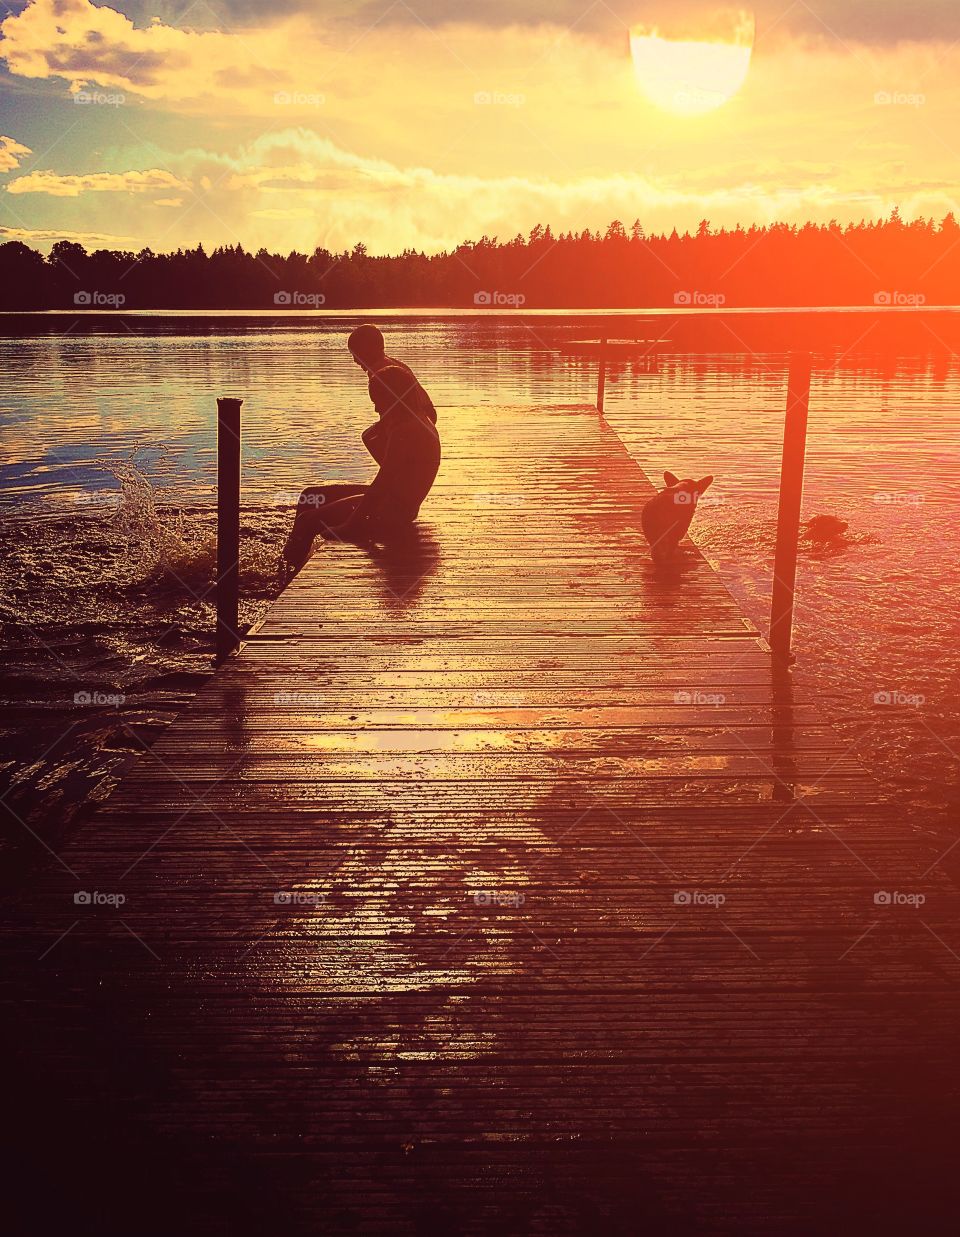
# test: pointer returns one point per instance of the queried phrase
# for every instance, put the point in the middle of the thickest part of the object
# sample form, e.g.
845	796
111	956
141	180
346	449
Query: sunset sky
292	125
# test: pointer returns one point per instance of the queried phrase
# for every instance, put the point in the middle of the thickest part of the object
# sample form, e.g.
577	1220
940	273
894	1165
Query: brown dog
666	517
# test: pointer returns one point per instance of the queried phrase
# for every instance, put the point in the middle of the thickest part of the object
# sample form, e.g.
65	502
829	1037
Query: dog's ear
671	479
703	483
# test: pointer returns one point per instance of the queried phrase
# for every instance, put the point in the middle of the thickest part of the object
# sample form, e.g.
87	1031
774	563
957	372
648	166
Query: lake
107	486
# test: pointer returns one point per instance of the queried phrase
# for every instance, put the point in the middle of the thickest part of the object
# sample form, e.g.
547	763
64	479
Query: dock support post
601	377
788	515
228	526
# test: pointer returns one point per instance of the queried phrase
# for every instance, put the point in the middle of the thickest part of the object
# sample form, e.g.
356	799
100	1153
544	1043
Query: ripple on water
107	492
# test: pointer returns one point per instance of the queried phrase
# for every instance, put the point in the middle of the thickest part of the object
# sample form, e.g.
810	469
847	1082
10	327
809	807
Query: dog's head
686	492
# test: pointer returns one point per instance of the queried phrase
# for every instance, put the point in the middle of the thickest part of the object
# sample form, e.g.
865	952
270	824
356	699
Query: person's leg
319	508
316	496
336	515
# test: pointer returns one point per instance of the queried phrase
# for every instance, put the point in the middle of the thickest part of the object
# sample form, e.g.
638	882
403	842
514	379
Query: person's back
410	452
416	395
367	348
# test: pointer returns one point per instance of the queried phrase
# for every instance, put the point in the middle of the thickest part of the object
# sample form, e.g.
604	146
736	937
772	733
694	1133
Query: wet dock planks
498	881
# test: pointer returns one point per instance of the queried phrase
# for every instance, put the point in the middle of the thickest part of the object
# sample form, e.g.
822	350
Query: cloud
82	43
11	152
58	186
40	236
521	124
295	189
866	21
863	21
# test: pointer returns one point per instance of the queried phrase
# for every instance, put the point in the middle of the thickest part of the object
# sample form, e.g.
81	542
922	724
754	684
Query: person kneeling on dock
405	444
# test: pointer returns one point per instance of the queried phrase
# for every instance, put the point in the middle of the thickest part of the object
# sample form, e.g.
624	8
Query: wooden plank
497	881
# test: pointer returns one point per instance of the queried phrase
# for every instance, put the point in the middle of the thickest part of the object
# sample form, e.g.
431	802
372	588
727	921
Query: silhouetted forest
889	261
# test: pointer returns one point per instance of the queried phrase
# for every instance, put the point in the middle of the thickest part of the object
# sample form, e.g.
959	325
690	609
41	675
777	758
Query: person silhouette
406	445
368	349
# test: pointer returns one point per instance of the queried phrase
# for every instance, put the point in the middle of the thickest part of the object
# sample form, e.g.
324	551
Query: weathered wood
422	930
228	526
788	510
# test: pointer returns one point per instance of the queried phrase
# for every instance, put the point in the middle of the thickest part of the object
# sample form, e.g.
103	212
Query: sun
691	76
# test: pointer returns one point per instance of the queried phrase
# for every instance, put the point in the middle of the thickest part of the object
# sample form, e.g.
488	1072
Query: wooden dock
498	885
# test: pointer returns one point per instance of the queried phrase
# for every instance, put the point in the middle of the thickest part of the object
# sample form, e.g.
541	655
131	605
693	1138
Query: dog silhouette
666	517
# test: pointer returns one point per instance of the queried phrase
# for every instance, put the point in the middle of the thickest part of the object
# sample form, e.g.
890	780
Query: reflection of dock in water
640	354
498	882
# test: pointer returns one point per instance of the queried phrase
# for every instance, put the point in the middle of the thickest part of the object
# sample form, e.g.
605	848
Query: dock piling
228	526
602	375
788	514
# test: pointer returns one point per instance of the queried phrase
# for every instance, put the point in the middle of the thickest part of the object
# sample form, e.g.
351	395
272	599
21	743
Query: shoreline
473	311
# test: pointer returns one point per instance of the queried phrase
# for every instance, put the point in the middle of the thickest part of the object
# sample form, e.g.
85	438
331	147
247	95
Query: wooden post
788	515
602	375
228	526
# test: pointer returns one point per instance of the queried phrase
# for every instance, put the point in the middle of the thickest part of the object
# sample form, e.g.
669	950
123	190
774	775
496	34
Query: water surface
107	486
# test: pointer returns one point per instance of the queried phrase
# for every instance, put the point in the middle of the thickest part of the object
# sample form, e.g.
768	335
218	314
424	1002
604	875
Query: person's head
366	346
392	390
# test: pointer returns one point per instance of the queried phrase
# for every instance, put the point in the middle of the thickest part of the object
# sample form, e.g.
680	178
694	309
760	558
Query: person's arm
373	439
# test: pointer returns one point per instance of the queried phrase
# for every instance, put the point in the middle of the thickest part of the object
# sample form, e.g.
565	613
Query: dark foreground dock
498	885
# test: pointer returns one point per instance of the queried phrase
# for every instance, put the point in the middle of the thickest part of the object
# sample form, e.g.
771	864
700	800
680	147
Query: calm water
107	473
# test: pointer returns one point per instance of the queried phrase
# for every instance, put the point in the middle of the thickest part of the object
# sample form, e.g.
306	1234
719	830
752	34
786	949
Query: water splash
176	547
168	545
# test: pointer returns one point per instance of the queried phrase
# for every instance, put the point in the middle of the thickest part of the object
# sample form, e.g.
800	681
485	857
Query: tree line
887	261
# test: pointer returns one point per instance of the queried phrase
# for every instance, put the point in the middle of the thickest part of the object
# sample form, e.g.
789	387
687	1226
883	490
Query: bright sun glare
690	76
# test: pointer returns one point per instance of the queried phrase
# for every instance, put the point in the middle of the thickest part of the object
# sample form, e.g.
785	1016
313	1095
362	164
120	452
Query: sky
420	125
